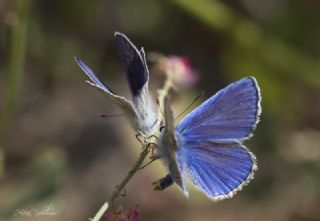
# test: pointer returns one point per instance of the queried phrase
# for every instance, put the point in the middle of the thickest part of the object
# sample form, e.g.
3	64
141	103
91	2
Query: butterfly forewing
229	115
135	66
133	63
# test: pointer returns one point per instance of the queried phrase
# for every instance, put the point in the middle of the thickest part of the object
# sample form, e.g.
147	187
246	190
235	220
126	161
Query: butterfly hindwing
133	62
217	169
228	116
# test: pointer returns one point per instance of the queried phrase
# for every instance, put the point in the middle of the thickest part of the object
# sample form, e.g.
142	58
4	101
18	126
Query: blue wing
217	169
133	63
210	140
92	76
228	116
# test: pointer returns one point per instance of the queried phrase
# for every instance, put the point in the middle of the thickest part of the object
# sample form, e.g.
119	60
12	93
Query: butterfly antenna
110	115
190	105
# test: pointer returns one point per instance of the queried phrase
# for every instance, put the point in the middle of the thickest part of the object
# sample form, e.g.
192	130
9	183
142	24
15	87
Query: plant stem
17	20
161	94
164	91
122	185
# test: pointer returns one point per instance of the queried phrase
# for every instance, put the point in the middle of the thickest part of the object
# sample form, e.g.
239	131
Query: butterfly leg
152	159
151	143
147	143
155	155
152	136
163	183
141	138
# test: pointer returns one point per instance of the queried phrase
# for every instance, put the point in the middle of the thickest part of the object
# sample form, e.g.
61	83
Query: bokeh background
56	151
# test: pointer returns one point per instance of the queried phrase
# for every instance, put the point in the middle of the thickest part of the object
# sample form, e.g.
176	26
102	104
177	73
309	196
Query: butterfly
207	145
140	111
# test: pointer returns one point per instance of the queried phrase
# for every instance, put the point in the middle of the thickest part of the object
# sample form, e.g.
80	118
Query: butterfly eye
161	128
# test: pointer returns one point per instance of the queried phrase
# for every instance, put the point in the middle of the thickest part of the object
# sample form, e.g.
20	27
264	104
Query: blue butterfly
140	111
207	145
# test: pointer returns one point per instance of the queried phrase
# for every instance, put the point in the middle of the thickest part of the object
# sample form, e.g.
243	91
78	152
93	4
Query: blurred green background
56	150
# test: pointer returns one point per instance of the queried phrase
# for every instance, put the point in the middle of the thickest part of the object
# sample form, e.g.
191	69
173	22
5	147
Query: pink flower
131	215
179	69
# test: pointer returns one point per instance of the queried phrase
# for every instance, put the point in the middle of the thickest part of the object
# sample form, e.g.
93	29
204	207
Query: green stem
18	25
121	186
